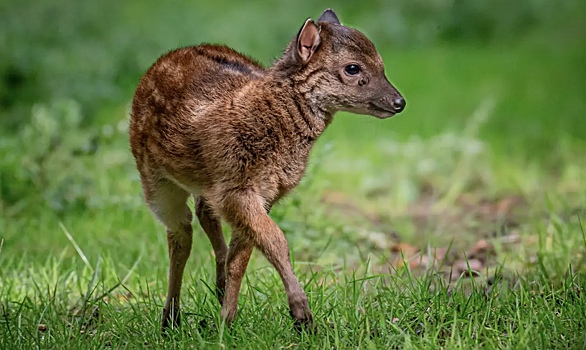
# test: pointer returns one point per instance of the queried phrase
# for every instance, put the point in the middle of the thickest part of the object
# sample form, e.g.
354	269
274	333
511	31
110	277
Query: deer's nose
398	104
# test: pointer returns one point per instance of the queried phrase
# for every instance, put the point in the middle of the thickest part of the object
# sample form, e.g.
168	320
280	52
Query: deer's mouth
381	112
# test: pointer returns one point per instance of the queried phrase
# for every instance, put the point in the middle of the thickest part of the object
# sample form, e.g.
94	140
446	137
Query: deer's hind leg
211	225
169	203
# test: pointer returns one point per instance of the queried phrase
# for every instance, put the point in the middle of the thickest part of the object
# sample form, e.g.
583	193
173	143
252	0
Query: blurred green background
487	160
495	96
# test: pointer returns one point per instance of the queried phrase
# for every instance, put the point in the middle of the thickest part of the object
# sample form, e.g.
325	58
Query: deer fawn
210	122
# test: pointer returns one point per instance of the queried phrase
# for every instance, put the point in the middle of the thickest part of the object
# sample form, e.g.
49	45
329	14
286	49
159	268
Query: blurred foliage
46	162
67	65
94	52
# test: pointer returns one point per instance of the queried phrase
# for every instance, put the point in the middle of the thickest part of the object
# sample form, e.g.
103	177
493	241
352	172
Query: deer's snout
391	97
398	104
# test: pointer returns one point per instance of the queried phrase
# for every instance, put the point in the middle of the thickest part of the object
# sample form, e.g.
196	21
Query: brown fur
210	122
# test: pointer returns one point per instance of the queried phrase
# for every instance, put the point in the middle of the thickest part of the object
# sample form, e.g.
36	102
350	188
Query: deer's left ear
308	41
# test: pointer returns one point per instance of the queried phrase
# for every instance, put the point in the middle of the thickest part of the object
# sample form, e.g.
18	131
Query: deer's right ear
308	41
329	16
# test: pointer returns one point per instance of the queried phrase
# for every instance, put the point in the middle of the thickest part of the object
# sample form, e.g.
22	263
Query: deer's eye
352	69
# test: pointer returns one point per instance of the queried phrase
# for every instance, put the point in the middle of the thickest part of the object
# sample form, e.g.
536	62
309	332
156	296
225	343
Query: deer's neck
292	103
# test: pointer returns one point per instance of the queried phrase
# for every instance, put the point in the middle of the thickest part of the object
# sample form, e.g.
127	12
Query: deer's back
182	85
192	78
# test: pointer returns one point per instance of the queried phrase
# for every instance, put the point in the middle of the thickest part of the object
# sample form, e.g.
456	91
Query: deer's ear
329	16
308	41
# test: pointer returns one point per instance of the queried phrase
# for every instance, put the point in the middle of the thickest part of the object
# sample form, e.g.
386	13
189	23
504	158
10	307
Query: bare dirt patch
483	228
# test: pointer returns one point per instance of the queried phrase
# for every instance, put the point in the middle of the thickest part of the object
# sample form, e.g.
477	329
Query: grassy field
460	223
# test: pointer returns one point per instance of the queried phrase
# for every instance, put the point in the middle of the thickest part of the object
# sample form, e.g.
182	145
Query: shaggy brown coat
210	122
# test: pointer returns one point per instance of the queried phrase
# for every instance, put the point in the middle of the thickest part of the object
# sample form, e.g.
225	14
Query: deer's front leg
271	241
247	212
238	256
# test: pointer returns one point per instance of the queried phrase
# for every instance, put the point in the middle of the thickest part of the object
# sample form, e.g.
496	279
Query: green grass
83	263
71	305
